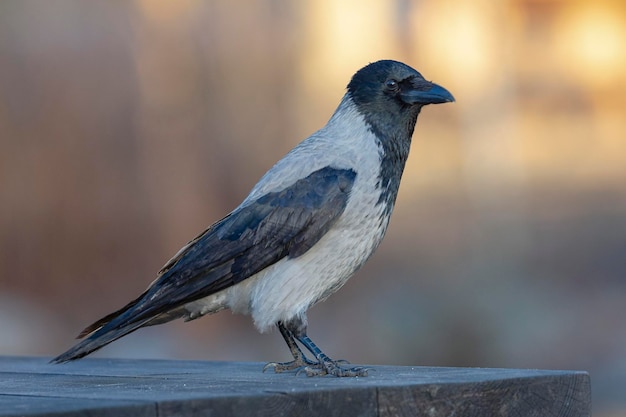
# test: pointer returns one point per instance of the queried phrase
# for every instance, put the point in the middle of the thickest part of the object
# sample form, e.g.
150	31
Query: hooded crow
305	228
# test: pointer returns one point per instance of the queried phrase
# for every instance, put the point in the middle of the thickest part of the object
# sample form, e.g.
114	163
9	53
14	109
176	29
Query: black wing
280	224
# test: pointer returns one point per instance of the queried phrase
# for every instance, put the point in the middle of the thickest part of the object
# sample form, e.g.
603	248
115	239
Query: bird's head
392	93
393	86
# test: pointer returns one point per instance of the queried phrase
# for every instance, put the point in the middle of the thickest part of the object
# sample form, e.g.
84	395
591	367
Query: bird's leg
300	360
325	365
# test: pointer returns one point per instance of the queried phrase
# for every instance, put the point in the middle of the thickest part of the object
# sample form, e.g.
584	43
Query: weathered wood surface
101	387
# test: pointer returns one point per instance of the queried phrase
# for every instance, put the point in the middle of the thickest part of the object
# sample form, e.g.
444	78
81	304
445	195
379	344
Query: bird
305	228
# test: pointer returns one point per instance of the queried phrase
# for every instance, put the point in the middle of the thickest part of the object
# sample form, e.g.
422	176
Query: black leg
300	360
294	330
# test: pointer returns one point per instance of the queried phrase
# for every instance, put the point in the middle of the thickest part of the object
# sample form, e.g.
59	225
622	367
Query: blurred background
127	127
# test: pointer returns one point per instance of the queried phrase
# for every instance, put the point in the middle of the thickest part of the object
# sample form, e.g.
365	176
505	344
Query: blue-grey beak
424	92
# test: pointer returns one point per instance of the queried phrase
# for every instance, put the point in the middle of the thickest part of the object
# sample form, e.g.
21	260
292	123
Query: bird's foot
323	366
328	366
295	365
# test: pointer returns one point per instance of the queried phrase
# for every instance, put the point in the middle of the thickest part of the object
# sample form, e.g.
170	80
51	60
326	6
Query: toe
296	365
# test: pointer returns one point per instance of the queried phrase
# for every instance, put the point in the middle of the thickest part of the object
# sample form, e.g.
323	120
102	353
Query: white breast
288	288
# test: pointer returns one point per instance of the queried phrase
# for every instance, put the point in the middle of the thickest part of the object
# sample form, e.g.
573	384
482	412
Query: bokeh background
127	127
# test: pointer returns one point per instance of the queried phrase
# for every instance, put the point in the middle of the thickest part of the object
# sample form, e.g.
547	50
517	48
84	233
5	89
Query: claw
330	367
270	365
304	369
295	365
323	366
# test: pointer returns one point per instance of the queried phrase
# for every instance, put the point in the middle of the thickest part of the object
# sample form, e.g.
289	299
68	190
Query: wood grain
102	387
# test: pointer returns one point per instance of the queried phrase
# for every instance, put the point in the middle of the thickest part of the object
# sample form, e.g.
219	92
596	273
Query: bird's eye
391	84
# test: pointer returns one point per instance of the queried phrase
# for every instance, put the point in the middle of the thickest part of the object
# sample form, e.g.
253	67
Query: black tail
103	332
98	339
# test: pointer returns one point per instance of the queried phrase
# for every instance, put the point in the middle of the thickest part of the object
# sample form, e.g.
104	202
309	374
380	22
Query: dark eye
391	84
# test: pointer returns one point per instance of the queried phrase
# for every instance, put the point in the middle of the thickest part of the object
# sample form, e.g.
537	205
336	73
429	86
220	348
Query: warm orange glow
461	42
166	12
591	43
465	41
342	36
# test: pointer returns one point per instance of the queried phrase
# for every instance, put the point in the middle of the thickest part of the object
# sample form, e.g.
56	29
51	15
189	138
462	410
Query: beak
424	92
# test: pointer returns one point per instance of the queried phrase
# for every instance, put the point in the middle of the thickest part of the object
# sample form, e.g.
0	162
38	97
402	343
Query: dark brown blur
128	127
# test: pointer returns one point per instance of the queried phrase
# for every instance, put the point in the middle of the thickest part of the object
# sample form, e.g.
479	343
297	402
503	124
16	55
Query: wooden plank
19	405
549	395
105	387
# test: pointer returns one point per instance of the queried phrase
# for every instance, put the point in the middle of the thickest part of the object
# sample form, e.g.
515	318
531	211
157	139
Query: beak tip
441	95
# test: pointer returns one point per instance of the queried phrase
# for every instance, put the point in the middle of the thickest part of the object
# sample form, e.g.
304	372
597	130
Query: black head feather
389	95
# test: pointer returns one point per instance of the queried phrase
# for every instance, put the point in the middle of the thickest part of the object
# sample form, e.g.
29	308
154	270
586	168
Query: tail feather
104	331
98	339
109	317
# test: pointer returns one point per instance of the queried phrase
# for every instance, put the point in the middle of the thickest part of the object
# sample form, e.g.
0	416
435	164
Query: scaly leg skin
300	360
327	366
